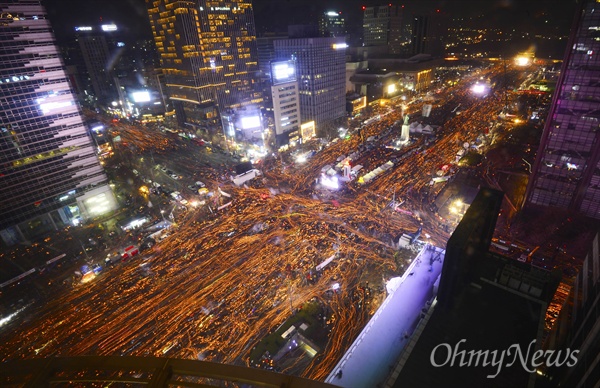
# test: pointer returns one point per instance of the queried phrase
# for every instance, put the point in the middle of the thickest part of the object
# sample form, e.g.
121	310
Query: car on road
174	176
197	185
176	195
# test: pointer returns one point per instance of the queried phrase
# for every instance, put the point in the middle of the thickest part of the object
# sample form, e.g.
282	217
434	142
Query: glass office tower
49	172
321	72
566	173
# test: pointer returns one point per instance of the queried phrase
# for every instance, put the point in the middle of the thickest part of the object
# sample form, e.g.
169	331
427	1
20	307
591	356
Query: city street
376	350
238	265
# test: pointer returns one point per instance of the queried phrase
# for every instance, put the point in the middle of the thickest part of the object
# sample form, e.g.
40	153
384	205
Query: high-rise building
566	173
382	26
97	50
332	23
266	53
49	172
428	33
207	51
376	22
321	70
286	102
396	40
486	303
582	325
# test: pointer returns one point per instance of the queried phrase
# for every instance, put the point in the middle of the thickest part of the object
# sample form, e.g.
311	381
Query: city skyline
501	13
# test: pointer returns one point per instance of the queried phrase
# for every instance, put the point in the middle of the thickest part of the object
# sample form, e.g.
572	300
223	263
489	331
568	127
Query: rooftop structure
485	302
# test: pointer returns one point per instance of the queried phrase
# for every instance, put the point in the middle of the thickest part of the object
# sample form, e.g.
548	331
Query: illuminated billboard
283	72
250	122
339	46
358	103
143	96
307	130
109	27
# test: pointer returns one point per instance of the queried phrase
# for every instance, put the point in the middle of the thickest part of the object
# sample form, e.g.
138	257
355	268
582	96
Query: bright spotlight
478	88
523	61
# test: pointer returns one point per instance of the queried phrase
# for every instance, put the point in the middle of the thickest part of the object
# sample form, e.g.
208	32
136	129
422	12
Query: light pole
528	165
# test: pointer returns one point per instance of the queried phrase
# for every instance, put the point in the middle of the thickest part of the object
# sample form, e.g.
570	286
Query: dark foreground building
485	303
580	326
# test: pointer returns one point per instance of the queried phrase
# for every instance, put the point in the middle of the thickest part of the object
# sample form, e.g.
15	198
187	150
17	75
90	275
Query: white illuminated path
372	356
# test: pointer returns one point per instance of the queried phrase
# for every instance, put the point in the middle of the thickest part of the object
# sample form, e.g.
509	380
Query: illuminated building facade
332	23
207	51
566	173
321	71
286	102
49	171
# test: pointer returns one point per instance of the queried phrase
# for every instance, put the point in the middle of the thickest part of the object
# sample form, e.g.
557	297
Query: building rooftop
486	303
488	317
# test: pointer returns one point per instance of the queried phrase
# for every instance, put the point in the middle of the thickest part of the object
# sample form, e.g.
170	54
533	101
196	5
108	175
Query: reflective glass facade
47	160
207	51
566	173
321	75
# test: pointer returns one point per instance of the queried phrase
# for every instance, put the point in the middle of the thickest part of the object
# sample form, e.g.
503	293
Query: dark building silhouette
428	32
382	26
485	303
579	326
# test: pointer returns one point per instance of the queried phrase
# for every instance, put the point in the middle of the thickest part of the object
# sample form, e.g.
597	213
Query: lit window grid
573	132
31	189
226	55
321	76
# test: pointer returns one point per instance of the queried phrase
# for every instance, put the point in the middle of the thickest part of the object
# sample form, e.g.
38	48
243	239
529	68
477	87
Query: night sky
275	15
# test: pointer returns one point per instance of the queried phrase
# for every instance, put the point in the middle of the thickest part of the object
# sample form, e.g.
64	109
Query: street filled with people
239	260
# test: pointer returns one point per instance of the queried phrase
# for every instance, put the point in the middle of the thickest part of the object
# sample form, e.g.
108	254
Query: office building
396	40
98	50
376	25
566	173
208	54
286	103
428	34
320	70
266	53
49	172
382	26
332	23
582	325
